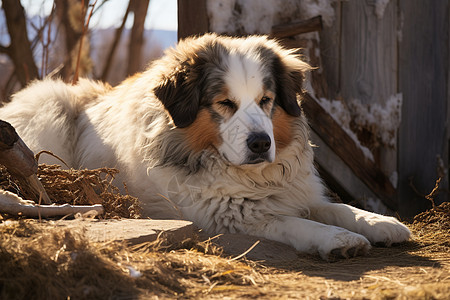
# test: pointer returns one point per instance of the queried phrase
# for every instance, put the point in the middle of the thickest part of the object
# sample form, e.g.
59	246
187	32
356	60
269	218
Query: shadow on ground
285	258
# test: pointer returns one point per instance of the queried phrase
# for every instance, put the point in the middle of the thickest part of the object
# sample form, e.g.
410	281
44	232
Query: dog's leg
312	237
377	228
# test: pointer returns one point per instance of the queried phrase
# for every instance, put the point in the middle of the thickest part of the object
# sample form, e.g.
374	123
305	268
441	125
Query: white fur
91	125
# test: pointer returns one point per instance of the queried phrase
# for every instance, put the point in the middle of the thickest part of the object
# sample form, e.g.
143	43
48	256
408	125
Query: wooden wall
406	51
370	58
423	80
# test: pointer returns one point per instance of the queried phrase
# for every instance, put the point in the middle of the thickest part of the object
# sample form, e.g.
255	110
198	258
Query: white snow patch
382	120
313	8
258	16
380	6
341	114
220	14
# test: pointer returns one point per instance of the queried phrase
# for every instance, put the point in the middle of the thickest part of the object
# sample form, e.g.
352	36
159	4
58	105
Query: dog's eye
228	104
264	100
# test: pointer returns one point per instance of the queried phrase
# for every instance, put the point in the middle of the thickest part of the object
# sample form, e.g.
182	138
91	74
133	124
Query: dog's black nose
258	142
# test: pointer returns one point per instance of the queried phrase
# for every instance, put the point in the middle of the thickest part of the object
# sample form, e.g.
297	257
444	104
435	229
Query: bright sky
162	14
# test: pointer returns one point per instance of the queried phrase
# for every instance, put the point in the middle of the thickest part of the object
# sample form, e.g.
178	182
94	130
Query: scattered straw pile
77	187
432	228
56	264
59	265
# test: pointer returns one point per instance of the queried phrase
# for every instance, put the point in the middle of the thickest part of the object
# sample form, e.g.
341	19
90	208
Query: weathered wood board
423	80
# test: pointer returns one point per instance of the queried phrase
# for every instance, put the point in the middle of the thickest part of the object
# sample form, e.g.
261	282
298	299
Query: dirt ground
58	264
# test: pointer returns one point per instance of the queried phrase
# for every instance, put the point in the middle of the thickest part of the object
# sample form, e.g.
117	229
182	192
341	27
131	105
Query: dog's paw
343	243
382	230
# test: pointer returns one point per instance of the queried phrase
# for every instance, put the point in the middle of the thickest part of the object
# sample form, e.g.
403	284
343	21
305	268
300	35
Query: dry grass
55	264
77	187
58	265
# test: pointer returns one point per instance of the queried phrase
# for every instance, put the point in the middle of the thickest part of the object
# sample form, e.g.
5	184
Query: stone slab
134	231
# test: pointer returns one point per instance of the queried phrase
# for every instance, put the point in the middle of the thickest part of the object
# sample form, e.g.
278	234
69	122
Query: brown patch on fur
203	133
282	128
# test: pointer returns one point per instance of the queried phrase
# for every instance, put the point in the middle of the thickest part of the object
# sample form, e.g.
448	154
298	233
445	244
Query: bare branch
4	50
20	48
85	28
112	50
139	9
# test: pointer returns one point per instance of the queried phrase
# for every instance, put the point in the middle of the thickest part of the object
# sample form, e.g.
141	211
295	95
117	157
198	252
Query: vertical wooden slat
330	53
369	66
424	66
369	52
192	18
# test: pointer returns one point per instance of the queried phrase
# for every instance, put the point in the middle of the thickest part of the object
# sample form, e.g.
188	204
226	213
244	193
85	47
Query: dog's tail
45	114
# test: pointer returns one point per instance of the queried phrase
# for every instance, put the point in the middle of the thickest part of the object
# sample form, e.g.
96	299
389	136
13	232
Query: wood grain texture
368	52
192	18
291	29
330	52
424	67
369	64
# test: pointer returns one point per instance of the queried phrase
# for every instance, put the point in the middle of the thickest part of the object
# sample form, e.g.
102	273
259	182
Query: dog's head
235	95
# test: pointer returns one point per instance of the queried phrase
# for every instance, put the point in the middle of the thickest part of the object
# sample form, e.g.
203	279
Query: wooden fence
370	57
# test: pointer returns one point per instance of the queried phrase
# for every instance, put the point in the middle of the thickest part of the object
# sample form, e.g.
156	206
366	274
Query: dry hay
77	187
59	264
432	228
62	265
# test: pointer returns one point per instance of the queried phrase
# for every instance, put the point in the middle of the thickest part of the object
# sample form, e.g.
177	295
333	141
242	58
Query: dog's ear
289	72
180	94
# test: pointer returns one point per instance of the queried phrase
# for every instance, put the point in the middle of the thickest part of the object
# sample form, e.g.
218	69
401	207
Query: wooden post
369	66
192	18
423	80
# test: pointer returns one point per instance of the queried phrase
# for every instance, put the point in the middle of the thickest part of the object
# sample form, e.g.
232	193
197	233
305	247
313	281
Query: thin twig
433	193
247	251
85	28
38	155
114	44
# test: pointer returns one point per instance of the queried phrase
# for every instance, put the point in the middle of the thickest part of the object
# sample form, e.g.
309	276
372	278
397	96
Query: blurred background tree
63	43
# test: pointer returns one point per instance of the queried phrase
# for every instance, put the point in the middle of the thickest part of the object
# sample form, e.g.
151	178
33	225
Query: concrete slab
134	231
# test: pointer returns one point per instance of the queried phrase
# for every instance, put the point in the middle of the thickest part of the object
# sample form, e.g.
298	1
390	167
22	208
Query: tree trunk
73	30
139	8
20	48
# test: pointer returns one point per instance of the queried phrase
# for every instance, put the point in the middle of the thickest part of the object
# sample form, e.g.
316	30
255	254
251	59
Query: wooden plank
369	65
339	177
192	18
423	80
330	52
295	28
344	146
369	52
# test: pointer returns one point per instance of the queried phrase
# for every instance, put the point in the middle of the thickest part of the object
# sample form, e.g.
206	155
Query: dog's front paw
343	243
382	230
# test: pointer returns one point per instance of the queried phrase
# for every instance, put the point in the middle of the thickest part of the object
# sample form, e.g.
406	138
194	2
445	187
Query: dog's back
46	113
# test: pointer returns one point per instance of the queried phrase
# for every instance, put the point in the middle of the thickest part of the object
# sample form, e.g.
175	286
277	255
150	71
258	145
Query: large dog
211	132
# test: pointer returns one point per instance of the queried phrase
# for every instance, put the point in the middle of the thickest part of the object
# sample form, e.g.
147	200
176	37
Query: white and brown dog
212	132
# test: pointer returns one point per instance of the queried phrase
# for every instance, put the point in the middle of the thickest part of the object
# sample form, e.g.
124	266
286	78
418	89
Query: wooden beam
291	29
345	147
192	18
423	81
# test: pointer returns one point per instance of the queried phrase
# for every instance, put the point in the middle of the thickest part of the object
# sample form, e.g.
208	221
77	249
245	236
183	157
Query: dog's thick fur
212	132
